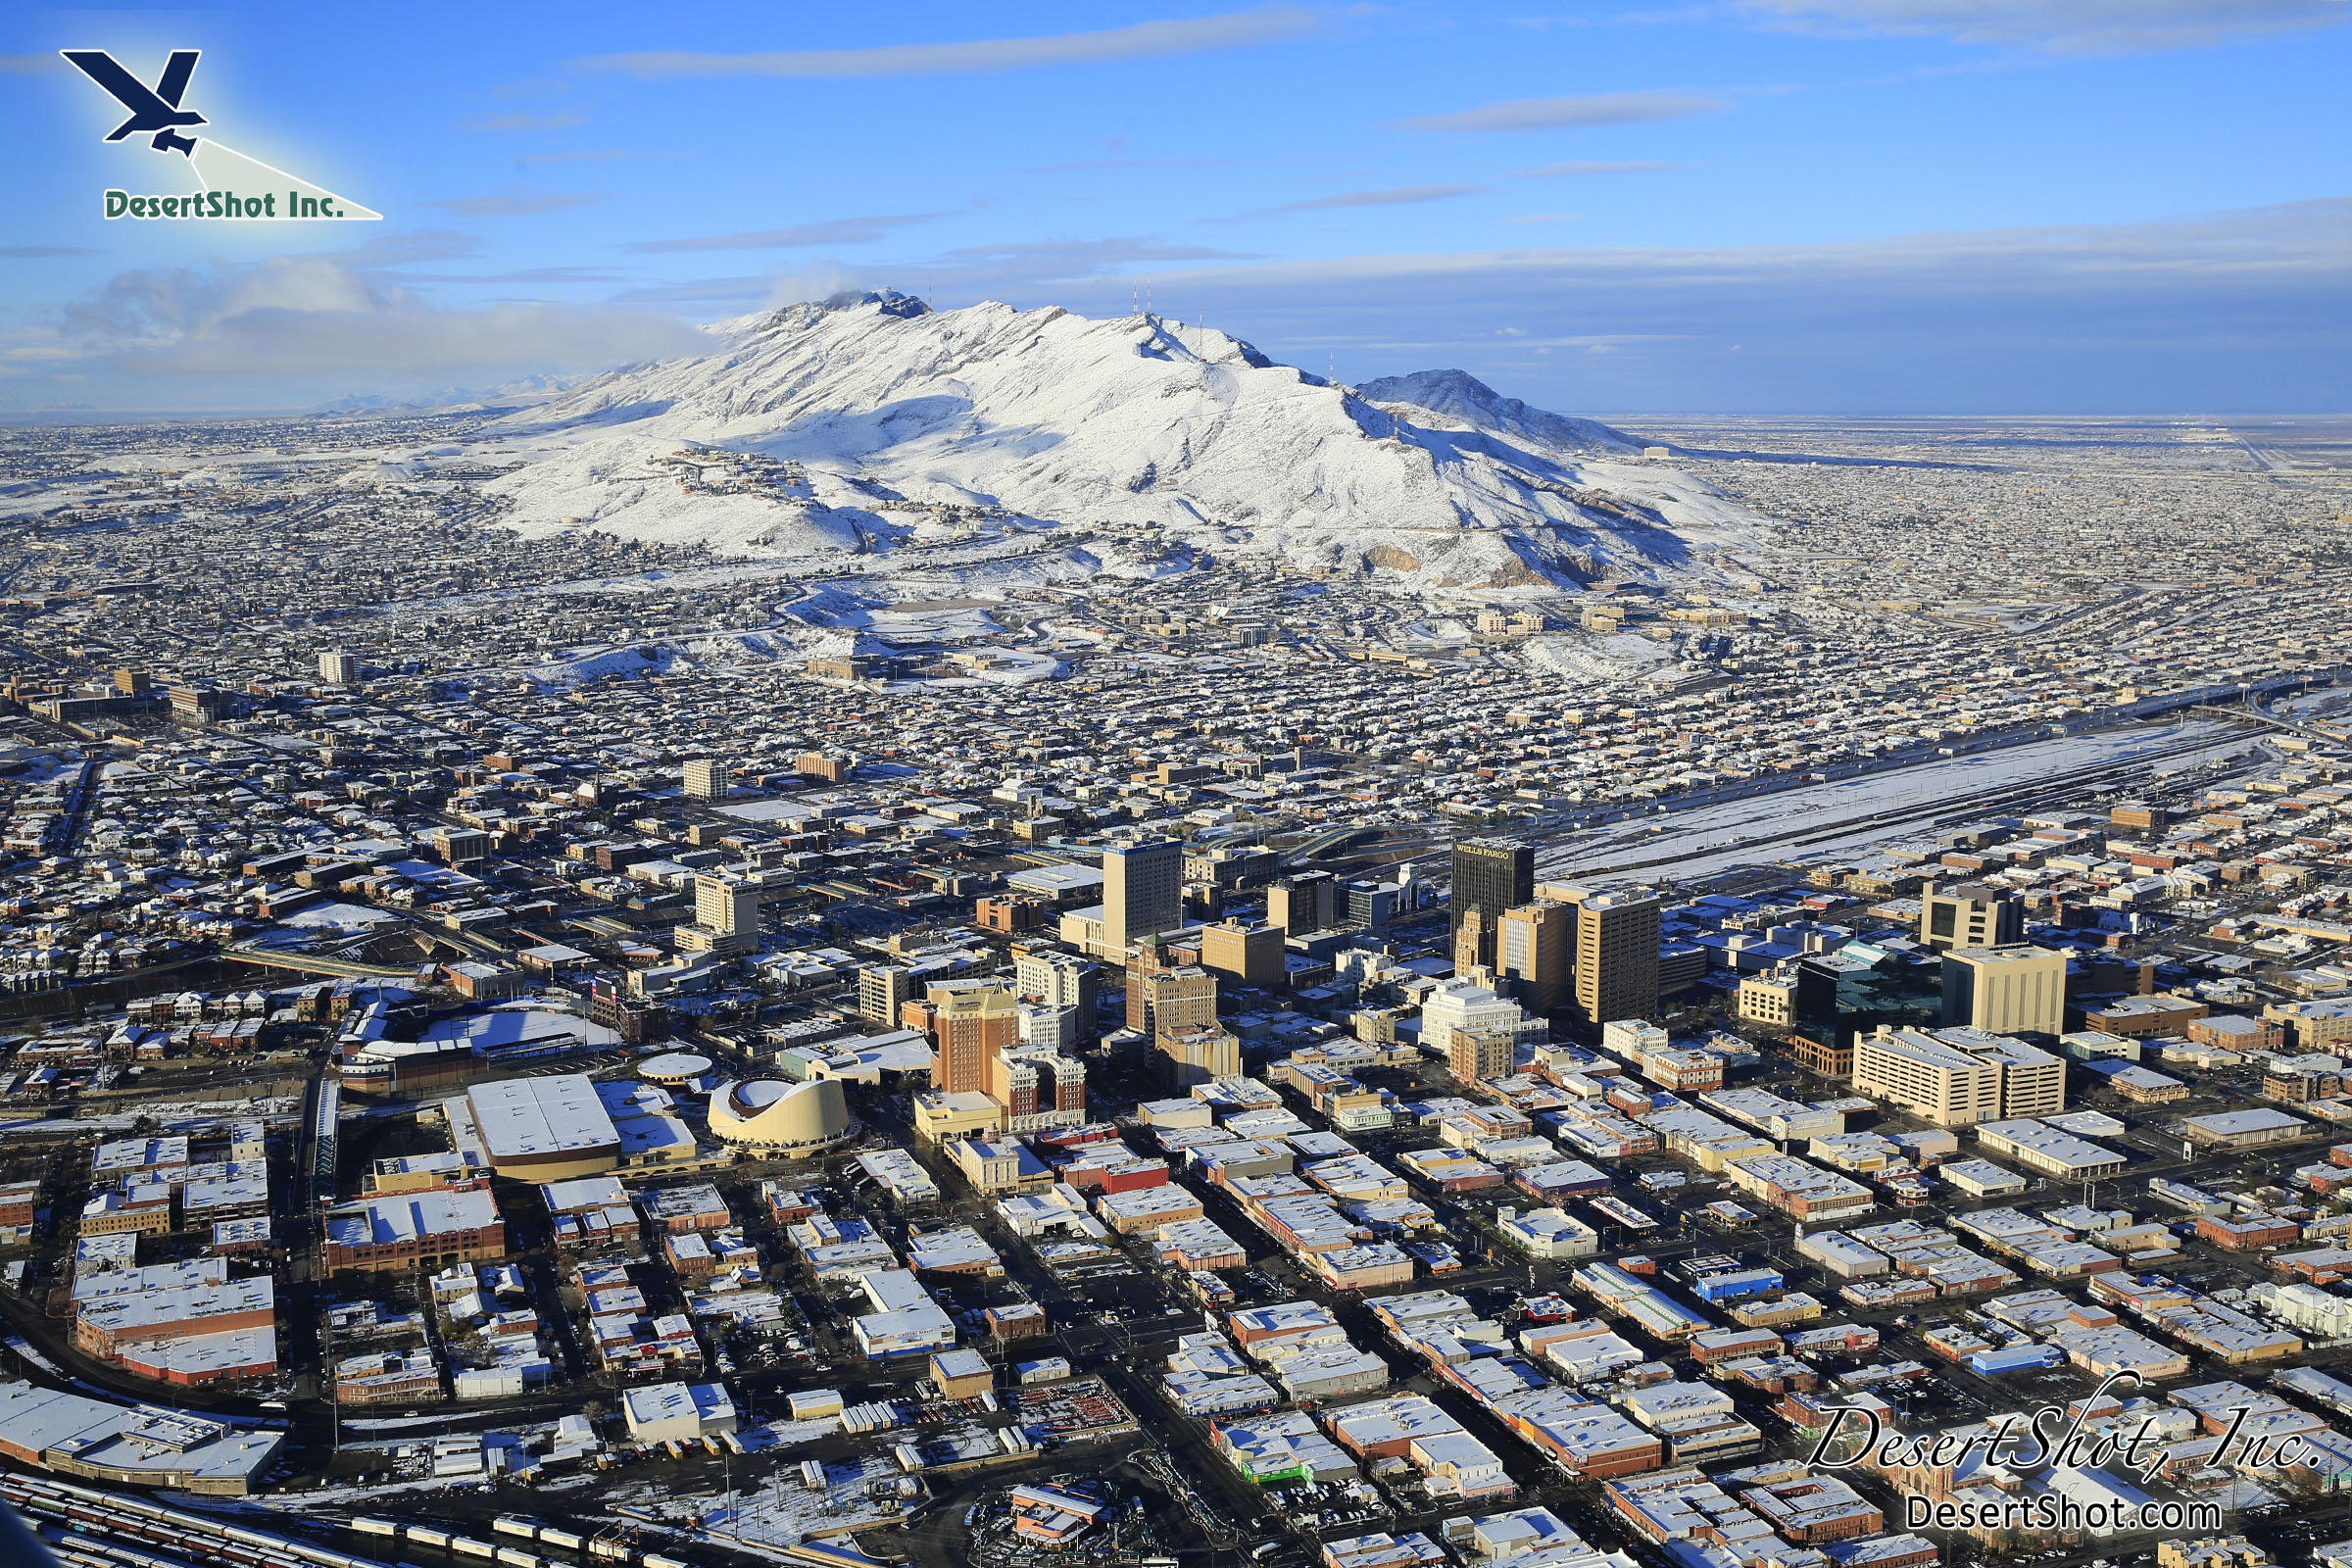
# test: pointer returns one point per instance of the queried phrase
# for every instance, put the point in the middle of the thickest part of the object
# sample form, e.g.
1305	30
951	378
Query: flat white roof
409	1217
522	1117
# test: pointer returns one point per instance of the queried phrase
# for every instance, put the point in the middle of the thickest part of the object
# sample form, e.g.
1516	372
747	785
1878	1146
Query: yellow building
113	1214
1254	955
2009	990
1958	1077
1533	947
941	1114
1767	1000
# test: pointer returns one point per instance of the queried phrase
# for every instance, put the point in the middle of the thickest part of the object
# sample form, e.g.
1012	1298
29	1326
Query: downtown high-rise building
1143	892
1535	951
1492	875
1301	903
883	989
1969	915
1616	965
968	1029
726	917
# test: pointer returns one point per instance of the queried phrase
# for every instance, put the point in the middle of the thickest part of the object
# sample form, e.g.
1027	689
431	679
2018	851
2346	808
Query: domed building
768	1116
675	1069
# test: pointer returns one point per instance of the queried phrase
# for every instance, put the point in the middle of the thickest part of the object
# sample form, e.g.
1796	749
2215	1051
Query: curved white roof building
772	1117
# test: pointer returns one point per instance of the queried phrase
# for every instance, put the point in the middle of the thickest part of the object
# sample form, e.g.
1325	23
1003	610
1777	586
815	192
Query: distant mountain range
867	410
529	390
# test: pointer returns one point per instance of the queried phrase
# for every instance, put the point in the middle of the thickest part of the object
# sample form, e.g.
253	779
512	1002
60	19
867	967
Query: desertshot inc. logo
228	183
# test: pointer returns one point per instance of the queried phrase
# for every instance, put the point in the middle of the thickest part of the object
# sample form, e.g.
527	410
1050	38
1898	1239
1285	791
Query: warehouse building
663	1412
2039	1146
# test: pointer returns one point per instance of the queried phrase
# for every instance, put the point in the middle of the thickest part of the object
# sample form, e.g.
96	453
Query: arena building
775	1118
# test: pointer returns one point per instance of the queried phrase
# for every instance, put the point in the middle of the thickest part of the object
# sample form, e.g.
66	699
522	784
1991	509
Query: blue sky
1730	205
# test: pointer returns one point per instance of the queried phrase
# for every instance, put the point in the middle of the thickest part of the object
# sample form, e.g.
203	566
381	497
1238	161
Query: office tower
1616	954
1478	1055
1969	915
1371	905
1921	1074
1492	875
1302	904
1042	1025
1038	1087
338	668
706	778
1200	1054
1958	1077
726	917
133	682
1162	999
2011	990
967	1028
1143	892
1474	944
1456	1007
1252	954
882	990
1534	949
727	904
1053	978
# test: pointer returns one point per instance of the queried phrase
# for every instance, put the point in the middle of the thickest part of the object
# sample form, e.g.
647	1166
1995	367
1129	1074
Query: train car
654	1559
426	1535
610	1549
568	1541
367	1526
468	1546
516	1557
249	1537
515	1525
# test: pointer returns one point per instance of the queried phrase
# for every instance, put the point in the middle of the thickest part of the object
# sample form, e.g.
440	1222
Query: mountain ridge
846	414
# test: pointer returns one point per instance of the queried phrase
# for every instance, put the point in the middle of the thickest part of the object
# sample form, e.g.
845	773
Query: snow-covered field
339	918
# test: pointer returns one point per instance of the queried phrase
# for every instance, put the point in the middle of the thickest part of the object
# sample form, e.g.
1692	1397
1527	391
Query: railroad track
2054	789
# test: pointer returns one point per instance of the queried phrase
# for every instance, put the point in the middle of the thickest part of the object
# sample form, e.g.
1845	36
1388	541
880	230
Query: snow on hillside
1040	444
1456	397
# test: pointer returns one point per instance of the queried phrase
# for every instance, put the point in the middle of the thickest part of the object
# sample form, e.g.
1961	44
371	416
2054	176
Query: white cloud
1581	110
303	315
2065	26
1142	40
1399	196
2246	310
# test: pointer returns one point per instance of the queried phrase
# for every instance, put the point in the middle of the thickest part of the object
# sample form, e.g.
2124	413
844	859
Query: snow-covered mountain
1456	397
871	423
